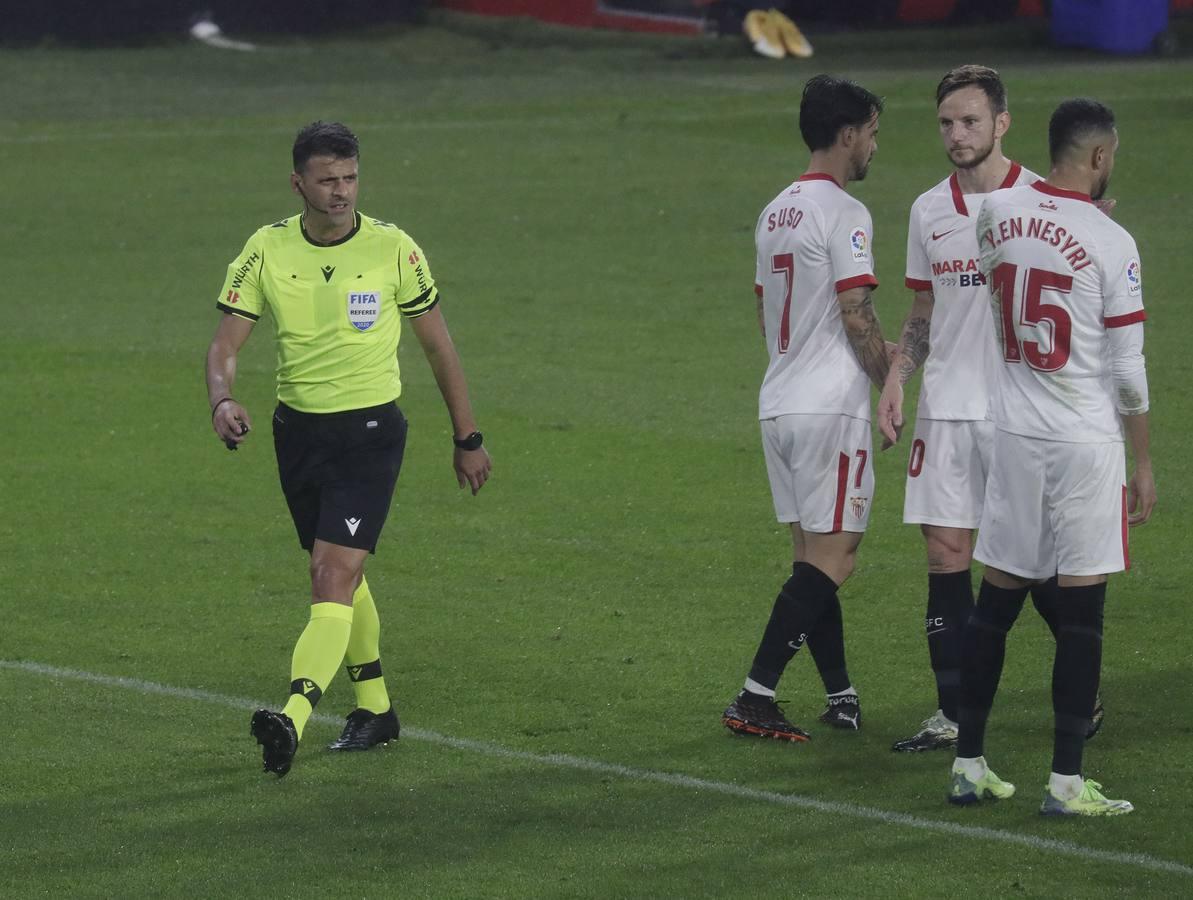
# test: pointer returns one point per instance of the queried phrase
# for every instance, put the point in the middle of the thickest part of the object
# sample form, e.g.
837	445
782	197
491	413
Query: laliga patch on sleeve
1134	277
859	245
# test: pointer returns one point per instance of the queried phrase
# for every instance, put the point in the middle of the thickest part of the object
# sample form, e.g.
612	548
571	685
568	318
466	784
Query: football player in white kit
950	333
813	279
1067	302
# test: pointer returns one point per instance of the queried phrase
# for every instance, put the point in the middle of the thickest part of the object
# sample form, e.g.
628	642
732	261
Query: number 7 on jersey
784	264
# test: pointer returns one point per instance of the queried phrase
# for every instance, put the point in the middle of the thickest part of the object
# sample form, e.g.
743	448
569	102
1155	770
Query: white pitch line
579	763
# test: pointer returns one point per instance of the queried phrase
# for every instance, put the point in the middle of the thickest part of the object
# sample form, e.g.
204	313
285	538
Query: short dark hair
830	104
1074	121
324	139
982	77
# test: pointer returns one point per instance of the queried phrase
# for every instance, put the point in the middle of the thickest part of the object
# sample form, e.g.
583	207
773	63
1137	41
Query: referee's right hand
231	422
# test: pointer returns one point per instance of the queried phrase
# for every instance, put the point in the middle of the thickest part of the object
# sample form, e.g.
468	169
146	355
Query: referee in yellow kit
338	285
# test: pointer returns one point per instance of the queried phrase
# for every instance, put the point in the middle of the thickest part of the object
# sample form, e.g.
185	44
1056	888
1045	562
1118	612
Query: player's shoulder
941	191
1024	177
1020	194
932	205
1110	235
839	208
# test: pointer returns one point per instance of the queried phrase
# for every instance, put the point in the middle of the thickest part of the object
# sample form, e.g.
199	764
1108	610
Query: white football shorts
820	472
1054	508
946	472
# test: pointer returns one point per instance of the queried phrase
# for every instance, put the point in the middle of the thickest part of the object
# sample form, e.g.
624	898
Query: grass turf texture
587	204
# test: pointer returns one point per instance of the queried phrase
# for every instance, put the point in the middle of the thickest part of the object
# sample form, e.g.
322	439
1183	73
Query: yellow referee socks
317	655
363	659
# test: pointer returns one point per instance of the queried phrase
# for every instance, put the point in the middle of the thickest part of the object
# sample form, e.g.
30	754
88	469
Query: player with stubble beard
814	276
1066	295
949	332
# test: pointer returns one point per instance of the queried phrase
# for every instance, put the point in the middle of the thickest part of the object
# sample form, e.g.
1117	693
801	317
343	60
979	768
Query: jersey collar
818	176
1045	188
959	198
314	243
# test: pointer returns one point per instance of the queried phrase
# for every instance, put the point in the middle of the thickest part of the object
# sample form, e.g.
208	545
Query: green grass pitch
560	647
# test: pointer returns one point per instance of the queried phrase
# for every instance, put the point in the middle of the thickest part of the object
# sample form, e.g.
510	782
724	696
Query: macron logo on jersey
352	524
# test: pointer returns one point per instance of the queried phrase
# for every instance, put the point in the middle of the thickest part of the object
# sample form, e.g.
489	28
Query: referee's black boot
366	729
278	737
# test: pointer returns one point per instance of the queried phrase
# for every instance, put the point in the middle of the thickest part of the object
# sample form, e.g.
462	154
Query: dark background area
123	21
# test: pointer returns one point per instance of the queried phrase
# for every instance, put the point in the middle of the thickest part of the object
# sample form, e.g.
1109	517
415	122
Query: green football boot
989	787
1090	802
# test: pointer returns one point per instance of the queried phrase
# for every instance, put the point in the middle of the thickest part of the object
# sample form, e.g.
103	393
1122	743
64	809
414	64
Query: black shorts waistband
292	413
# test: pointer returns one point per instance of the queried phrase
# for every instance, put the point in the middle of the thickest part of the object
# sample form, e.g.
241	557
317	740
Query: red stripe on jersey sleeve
916	285
757	290
846	284
1125	319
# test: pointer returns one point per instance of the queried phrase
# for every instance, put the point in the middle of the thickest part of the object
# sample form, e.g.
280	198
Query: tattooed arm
913	350
864	333
913	344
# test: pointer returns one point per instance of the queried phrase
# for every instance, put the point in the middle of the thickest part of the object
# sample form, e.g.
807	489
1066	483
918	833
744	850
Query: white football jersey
1061	273
942	257
813	242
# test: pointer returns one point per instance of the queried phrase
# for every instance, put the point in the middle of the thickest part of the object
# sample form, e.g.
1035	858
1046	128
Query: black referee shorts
338	471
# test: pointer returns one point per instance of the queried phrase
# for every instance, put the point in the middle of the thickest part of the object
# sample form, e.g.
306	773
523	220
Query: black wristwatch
472	442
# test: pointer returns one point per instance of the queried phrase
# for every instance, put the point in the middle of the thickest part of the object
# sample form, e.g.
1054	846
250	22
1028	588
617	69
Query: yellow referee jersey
337	307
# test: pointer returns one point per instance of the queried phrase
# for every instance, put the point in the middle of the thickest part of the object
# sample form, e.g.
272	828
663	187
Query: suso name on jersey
784	218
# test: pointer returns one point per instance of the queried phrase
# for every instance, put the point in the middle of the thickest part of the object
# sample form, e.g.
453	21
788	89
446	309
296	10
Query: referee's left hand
231	422
472	468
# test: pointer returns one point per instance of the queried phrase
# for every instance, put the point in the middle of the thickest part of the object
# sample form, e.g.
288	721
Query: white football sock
1065	787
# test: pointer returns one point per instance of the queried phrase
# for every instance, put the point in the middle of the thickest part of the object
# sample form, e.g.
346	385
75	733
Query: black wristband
472	442
220	403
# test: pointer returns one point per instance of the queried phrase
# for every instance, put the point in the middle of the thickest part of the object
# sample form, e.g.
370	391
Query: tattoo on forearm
915	347
865	337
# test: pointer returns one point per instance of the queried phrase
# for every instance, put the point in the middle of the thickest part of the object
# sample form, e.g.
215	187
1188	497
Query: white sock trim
1065	787
974	768
755	688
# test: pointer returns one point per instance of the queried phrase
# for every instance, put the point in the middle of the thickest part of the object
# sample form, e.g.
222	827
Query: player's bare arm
912	351
1129	376
865	333
1141	488
229	419
472	466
